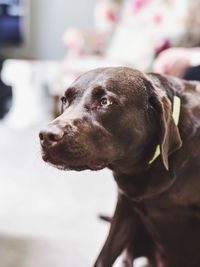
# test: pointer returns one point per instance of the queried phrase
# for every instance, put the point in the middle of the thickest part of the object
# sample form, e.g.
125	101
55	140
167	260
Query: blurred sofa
130	33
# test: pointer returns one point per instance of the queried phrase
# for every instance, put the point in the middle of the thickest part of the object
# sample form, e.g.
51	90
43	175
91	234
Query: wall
47	20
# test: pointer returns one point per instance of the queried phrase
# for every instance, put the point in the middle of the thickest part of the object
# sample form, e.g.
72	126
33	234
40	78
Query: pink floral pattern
137	5
111	15
157	18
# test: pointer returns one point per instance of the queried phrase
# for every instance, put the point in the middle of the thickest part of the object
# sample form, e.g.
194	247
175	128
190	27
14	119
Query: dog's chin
74	166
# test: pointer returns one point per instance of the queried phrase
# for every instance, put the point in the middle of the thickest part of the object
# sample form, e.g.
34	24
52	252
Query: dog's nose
50	136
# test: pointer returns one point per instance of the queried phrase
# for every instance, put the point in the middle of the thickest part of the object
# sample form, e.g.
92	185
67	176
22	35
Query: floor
48	217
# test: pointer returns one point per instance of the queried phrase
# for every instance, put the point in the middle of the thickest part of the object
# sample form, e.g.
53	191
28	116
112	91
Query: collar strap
175	115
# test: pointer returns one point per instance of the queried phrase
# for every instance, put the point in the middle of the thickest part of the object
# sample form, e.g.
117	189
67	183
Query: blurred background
49	217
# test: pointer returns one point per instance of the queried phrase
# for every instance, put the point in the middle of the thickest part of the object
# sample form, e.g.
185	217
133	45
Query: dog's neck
132	166
152	151
137	162
137	179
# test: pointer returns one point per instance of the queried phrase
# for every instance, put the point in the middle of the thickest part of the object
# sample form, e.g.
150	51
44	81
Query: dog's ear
169	135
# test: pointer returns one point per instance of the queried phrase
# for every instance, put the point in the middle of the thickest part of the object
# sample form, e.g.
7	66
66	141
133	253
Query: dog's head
109	117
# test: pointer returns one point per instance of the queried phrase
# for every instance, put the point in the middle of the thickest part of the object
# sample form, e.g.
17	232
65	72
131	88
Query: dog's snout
50	136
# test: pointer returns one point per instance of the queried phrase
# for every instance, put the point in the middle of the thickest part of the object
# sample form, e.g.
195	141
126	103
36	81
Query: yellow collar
175	115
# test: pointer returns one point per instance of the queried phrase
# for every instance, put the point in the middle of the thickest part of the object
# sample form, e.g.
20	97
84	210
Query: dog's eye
64	100
105	102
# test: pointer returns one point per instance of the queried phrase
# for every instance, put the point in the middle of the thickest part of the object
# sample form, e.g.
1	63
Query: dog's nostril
41	136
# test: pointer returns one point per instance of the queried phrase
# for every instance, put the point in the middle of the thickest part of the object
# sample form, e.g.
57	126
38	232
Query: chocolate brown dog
118	118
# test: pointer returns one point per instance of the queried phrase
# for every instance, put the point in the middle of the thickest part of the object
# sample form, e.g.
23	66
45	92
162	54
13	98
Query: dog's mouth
80	163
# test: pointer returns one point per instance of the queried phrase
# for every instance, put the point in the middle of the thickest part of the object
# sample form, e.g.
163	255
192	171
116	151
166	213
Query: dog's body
115	117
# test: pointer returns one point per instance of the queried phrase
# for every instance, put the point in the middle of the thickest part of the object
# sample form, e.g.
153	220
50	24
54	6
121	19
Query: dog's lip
92	166
97	166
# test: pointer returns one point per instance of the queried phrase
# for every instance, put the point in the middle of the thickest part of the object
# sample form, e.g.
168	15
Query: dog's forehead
119	80
91	78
